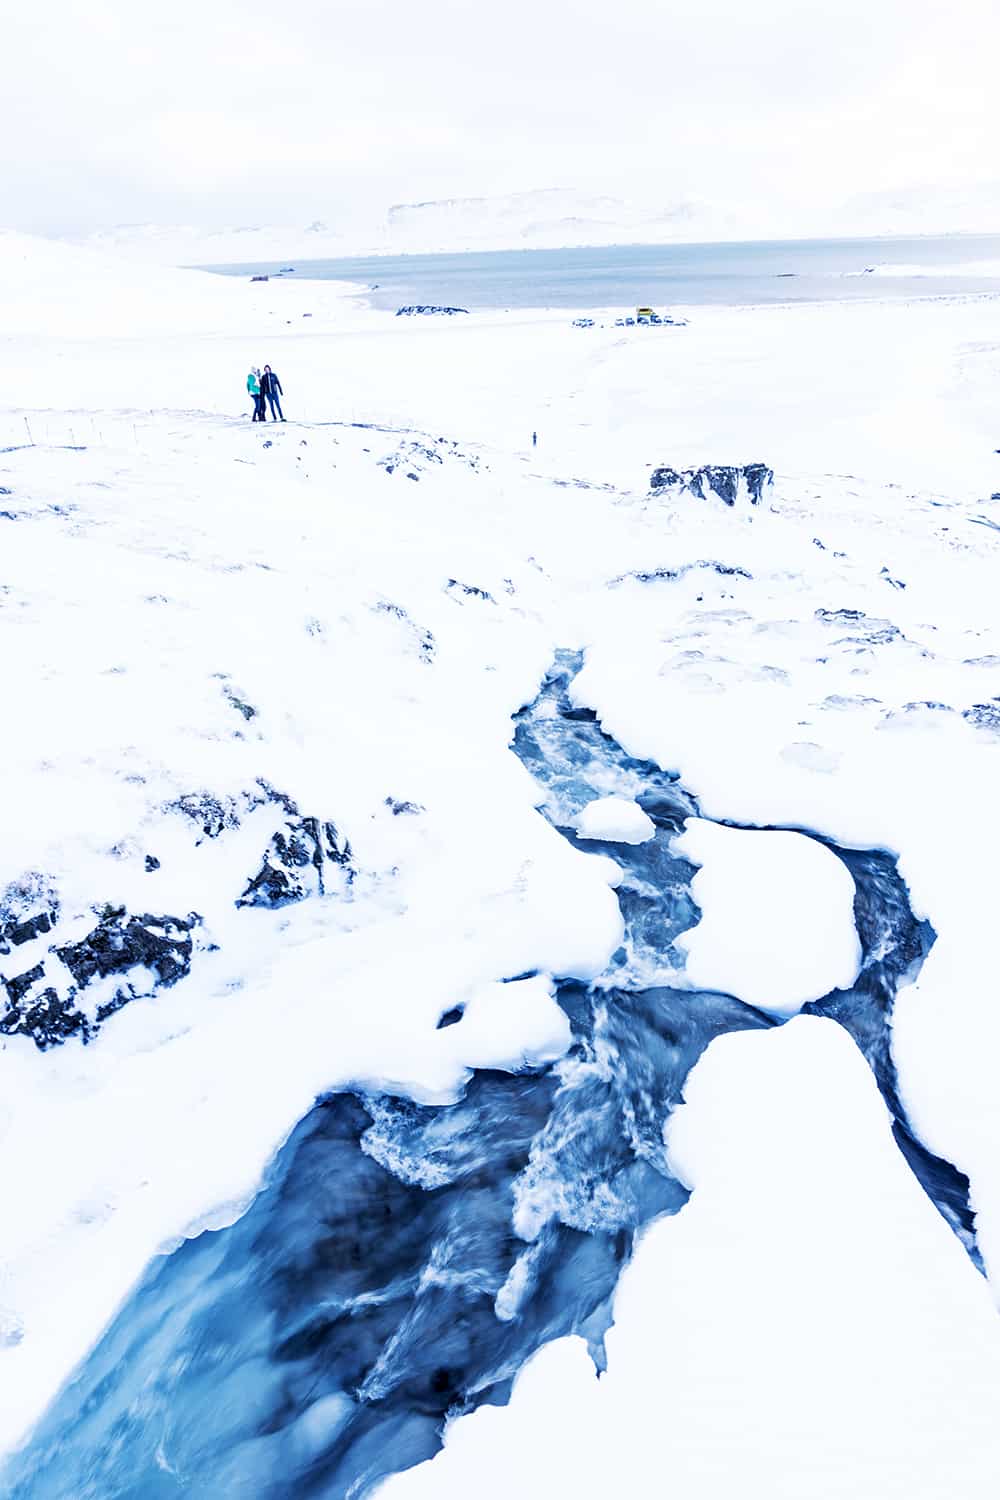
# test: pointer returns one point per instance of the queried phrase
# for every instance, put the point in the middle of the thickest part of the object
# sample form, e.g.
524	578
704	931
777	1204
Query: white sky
239	111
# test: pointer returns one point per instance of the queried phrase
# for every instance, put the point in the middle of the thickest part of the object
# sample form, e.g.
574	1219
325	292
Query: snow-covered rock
730	483
777	916
615	820
510	1026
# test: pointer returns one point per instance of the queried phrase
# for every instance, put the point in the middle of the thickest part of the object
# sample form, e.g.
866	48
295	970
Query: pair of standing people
266	387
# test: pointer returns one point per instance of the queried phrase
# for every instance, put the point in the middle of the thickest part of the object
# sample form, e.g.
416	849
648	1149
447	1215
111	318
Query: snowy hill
52	289
547	218
472	913
49	289
927	210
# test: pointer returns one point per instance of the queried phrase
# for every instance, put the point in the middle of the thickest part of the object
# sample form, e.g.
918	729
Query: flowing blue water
628	276
402	1262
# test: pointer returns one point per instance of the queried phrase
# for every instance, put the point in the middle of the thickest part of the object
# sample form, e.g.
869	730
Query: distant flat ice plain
629	276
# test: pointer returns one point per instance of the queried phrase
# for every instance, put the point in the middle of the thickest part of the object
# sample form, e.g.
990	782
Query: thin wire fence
137	430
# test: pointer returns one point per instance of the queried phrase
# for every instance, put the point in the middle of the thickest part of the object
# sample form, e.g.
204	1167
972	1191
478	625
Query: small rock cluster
51	990
418	310
47	1000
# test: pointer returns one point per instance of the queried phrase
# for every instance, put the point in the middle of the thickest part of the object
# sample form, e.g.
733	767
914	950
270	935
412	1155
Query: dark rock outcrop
29	908
863	630
670	575
65	985
299	862
212	814
983	715
457	588
420	310
43	1002
398	808
728	482
414	457
120	942
14	932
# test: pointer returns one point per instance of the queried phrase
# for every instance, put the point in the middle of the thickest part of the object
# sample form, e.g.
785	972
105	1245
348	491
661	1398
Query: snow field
142	607
383	630
845	725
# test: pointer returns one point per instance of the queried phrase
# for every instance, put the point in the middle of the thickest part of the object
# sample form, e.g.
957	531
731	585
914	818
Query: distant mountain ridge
553	218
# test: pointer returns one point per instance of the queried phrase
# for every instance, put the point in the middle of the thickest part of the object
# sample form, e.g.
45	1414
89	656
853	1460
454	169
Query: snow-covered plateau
494	952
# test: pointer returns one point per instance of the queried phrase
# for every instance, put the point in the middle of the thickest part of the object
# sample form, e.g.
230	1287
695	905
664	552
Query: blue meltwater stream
378	1284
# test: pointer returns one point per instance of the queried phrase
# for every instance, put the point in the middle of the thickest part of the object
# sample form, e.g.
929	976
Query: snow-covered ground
217	636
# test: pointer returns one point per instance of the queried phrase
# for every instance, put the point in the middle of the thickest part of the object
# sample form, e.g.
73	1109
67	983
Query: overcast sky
238	111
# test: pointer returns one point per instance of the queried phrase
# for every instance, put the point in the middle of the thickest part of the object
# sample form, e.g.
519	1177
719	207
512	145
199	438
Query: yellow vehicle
644	312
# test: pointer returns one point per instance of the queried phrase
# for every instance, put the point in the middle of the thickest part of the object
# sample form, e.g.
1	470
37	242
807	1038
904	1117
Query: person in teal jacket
257	396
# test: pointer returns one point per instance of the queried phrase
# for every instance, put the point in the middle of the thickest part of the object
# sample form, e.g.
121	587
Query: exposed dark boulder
13	932
397	807
728	482
983	715
46	1018
120	942
45	1006
20	985
212	814
298	862
29	908
456	587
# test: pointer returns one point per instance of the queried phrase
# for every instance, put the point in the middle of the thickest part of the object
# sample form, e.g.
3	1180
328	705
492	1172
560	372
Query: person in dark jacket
270	386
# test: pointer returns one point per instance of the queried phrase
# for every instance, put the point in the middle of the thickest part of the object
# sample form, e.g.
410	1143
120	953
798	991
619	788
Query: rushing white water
403	1263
